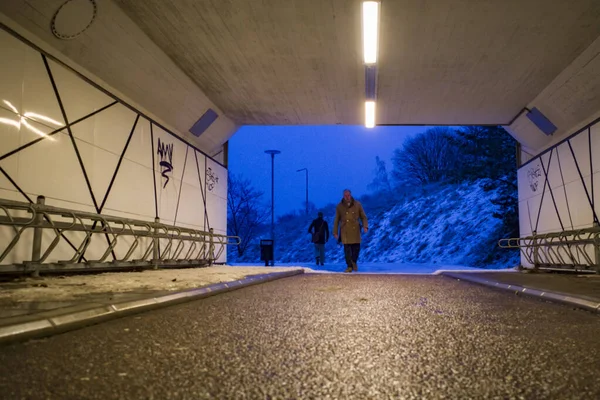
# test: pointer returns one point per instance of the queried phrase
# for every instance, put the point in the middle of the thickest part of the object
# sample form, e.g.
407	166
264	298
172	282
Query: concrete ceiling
300	61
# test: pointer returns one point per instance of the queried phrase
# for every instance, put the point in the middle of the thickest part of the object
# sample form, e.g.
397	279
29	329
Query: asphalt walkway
336	336
33	308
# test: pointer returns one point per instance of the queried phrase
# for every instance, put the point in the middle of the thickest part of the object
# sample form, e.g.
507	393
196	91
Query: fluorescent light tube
370	31
369	114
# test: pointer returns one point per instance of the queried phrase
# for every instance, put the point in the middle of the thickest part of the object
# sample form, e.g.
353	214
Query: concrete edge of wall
51	325
539	294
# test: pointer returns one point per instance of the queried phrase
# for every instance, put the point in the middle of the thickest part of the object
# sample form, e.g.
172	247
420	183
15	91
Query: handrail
169	245
577	248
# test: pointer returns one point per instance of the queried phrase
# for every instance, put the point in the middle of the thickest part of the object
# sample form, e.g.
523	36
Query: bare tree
427	158
245	211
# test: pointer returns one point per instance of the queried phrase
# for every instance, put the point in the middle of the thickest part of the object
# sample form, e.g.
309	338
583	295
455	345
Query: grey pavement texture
576	290
322	336
581	285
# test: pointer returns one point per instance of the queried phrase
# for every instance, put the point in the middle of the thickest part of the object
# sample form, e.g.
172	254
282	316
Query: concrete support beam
571	101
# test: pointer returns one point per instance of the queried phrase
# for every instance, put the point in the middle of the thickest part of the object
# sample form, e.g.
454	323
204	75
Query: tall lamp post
272	153
306	170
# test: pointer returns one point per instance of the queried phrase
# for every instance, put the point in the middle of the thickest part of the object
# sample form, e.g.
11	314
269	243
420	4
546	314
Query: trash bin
266	251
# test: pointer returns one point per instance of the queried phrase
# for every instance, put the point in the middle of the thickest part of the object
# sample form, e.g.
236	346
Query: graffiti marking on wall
165	151
533	175
212	179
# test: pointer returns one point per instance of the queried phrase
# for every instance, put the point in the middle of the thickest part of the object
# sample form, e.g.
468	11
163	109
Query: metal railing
158	245
575	249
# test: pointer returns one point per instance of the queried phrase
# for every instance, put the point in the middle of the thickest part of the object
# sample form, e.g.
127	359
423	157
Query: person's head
320	214
347	194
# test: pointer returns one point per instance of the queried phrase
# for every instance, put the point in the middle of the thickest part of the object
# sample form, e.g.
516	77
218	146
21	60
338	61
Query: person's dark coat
319	225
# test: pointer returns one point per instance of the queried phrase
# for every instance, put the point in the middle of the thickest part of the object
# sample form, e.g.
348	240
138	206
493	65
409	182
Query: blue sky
337	157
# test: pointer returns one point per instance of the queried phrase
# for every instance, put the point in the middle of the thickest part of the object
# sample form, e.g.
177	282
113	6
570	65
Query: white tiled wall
30	109
568	190
216	194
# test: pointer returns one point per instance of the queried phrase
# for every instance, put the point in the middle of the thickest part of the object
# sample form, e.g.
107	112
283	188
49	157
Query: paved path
322	336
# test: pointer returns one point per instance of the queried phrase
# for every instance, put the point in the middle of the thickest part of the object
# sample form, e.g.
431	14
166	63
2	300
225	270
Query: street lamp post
306	170
272	153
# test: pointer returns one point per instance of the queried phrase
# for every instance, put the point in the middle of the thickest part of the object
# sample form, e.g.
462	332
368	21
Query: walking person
320	235
348	213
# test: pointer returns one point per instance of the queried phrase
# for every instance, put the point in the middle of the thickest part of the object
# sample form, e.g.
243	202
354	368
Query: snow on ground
59	288
62	287
378	268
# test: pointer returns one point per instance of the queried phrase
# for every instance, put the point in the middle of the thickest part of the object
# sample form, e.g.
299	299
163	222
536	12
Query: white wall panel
24	85
56	202
530	180
216	179
579	205
132	192
9	194
524	221
190	175
99	165
78	97
216	199
167	198
38	95
191	201
51	168
108	129
217	214
16	131
12	70
201	162
140	145
595	139
553	171
564	210
581	148
10	139
533	210
548	218
191	207
567	163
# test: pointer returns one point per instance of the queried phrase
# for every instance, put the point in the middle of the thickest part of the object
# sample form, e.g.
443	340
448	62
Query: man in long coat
348	213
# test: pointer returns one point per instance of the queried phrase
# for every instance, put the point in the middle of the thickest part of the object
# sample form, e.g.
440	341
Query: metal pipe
272	153
306	203
36	250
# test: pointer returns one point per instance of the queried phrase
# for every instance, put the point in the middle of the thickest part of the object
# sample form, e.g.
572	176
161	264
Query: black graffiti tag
165	151
212	179
533	175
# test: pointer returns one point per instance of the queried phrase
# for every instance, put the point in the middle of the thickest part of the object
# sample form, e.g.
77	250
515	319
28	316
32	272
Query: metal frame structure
574	249
201	248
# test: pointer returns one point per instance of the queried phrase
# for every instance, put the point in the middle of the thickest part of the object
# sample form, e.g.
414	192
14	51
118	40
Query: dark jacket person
320	235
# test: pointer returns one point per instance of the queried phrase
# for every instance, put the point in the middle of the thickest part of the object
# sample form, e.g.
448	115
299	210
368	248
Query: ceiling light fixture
370	27
369	114
370	30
